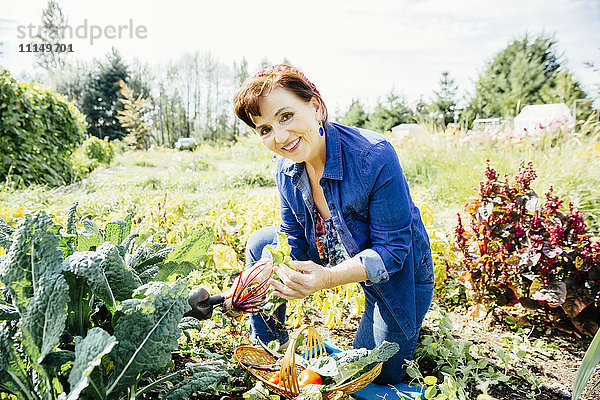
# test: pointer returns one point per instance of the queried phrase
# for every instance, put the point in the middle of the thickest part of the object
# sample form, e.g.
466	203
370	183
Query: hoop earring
274	158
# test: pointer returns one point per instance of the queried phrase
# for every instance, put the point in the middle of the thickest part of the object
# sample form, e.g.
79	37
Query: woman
346	210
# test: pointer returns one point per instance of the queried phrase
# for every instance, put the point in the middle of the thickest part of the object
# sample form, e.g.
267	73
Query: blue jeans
376	325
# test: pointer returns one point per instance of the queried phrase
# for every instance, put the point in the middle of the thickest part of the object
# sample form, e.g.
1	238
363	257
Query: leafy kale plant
90	323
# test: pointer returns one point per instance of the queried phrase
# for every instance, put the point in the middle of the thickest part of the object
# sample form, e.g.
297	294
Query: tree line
527	71
191	96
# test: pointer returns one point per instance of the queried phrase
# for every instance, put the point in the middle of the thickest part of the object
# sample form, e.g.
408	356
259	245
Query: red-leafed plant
518	249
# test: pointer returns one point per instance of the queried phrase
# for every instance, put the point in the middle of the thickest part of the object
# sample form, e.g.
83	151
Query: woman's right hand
306	278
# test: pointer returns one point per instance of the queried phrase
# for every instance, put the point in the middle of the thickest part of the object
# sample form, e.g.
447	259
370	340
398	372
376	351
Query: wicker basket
259	356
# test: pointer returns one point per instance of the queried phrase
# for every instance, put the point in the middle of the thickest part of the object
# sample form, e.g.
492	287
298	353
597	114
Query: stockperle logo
86	31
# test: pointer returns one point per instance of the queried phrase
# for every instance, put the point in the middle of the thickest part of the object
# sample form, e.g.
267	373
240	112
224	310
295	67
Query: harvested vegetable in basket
350	364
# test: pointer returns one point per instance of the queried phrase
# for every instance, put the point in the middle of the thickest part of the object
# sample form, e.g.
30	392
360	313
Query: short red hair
246	99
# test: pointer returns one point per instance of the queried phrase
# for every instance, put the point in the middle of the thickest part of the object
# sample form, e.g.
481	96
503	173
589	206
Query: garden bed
552	355
174	194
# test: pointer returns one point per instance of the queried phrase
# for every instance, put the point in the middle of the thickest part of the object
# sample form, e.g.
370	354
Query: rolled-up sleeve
374	266
389	212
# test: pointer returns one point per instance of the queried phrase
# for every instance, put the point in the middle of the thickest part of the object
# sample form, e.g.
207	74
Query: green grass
195	181
450	168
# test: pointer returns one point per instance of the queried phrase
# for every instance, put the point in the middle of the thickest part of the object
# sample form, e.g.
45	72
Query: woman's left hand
308	278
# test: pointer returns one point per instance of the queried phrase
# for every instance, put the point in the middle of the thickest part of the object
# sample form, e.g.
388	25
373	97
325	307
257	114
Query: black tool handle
202	304
216	299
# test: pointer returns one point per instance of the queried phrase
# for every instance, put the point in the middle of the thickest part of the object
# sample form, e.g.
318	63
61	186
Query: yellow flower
18	211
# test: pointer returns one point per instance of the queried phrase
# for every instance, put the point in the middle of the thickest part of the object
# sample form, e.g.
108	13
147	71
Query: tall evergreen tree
180	118
525	72
187	72
565	89
444	101
177	95
385	116
174	117
101	100
356	115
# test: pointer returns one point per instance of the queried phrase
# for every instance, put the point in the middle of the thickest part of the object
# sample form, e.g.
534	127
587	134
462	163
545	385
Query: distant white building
538	118
403	130
481	124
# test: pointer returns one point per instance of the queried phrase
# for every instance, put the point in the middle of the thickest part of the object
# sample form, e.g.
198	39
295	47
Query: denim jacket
371	208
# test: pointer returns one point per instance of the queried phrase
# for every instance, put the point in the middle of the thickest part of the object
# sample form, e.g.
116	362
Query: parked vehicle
186	144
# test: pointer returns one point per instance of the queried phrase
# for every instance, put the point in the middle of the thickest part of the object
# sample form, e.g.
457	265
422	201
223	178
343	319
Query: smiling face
289	126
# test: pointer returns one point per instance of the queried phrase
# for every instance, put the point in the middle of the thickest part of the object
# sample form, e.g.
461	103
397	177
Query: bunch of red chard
252	292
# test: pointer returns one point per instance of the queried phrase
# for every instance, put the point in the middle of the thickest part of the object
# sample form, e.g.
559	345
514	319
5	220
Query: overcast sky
349	49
